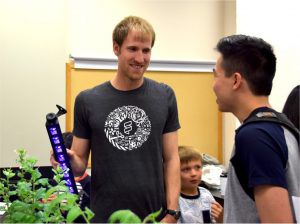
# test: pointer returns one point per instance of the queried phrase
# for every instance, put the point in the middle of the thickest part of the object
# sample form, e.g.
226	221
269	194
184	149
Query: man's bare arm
171	172
273	204
79	155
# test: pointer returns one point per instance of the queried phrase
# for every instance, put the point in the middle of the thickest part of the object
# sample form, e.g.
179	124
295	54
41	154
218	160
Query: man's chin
136	77
224	110
221	109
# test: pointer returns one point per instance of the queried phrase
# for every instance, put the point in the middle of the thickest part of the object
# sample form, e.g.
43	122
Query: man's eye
146	51
132	48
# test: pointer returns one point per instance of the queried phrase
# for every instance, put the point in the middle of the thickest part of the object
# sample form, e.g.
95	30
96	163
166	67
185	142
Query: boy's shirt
191	207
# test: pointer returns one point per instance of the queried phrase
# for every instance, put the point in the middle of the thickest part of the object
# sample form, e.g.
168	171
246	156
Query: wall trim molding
155	65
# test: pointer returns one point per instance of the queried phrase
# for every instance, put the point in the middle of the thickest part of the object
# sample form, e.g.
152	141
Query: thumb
70	153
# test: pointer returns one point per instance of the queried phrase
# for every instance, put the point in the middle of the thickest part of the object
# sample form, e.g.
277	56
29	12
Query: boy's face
191	173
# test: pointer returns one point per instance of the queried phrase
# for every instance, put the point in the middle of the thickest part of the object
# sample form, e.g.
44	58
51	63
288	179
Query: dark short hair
132	23
68	139
252	57
291	107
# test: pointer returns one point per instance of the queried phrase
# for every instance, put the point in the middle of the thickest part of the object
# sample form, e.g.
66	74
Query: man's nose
139	57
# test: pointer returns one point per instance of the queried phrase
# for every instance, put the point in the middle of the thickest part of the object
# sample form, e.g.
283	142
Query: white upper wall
33	53
185	29
277	22
36	37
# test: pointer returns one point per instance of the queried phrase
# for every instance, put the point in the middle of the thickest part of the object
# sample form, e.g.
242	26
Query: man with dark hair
264	171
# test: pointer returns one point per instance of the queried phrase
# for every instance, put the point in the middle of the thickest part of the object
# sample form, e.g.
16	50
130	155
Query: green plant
35	202
127	216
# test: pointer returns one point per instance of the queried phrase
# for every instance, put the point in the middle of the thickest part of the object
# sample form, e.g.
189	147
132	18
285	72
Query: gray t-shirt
125	130
265	154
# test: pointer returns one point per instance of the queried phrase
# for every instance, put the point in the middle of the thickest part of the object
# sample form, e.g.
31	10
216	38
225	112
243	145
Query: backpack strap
275	117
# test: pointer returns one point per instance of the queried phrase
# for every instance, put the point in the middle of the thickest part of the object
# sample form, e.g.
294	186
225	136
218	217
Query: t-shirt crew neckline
142	87
191	196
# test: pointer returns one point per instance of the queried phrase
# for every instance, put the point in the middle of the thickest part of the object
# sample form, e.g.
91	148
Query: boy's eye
198	167
185	170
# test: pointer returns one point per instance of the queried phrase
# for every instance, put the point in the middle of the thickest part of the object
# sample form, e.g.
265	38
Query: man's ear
237	80
116	49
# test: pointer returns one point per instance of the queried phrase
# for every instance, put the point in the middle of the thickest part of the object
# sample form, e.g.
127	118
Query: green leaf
151	218
40	193
124	216
89	214
8	173
36	174
11	193
73	214
21	217
55	190
43	181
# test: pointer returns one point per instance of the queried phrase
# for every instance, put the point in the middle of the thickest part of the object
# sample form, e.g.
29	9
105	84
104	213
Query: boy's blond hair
188	153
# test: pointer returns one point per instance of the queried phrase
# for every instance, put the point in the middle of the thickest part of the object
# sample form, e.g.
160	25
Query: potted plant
34	201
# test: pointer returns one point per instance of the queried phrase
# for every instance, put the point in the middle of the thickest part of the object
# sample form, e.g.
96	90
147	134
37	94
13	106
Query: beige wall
32	77
229	121
186	29
37	36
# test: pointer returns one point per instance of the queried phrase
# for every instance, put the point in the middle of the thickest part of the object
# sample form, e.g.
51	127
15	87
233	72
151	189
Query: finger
70	153
215	214
217	205
53	162
216	211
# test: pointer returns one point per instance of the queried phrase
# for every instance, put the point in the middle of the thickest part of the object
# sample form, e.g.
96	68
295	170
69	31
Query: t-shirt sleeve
81	126
209	195
172	122
263	154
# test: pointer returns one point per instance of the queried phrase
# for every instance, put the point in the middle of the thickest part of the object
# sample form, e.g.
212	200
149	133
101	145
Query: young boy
196	203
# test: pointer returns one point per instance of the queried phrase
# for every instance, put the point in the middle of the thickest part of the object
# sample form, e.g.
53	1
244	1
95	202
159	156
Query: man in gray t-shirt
130	125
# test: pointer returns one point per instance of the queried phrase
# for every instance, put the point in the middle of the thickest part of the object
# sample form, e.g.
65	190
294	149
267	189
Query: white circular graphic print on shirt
127	127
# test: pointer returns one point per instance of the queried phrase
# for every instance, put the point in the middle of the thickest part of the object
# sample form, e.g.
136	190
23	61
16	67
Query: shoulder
96	90
159	86
204	193
263	121
260	136
256	131
260	143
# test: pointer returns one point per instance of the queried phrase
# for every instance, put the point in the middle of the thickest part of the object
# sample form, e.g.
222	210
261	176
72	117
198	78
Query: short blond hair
188	153
132	23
